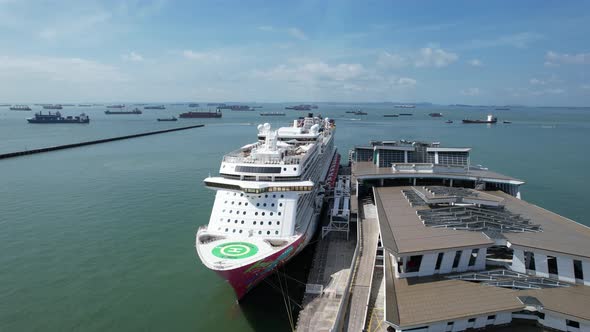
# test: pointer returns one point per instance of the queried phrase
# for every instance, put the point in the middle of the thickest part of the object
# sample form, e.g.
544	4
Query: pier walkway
75	145
362	280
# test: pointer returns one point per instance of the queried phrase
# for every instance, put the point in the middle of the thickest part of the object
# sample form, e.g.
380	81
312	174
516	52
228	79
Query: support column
565	269
542	270
464	260
586	271
405	157
450	182
447	262
436	157
427	265
413	181
381	182
518	261
480	261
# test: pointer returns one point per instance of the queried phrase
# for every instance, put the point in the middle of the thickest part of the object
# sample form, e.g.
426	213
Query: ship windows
277	232
265	196
274	196
236	221
246	204
240	231
226	229
270	223
278	222
242	195
254	222
268	233
232	202
259	232
239	203
234	230
282	195
255	213
273	204
228	220
262	213
257	204
279	213
264	204
281	204
271	213
244	213
284	168
230	211
242	222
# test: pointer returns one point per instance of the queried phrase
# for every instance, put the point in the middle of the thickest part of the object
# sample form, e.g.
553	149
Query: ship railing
288	160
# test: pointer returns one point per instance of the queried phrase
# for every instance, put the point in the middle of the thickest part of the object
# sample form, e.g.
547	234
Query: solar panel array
451	191
509	279
480	219
413	198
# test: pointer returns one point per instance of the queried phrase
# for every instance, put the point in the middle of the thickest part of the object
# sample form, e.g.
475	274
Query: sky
471	52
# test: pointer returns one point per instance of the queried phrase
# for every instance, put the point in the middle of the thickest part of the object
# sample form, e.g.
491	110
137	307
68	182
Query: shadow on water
264	306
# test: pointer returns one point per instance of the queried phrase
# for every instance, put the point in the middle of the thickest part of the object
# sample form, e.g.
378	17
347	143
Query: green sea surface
101	238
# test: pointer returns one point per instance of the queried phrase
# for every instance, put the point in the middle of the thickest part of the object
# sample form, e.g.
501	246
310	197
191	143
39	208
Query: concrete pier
75	145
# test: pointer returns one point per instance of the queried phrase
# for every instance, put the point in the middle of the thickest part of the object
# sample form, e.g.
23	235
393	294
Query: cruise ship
268	201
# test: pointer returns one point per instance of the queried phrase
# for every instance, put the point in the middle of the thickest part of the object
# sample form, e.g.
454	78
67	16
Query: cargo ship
436	115
20	108
116	106
302	107
168	119
58	118
405	106
489	119
53	107
193	105
273	114
236	108
157	107
135	111
268	199
208	114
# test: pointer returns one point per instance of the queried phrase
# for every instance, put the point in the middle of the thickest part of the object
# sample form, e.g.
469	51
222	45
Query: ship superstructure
268	200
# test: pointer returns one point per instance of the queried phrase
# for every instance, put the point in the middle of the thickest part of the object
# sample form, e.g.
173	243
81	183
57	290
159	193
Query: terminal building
460	250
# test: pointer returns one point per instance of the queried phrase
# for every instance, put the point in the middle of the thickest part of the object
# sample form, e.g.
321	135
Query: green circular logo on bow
235	250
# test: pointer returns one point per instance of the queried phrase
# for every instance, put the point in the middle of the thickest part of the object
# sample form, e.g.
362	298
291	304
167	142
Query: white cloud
475	62
406	81
201	56
429	57
425	57
296	33
391	60
132	56
553	91
313	71
536	81
471	92
553	58
518	40
59	69
266	28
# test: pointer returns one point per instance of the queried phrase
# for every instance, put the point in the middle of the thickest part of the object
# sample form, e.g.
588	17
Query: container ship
58	118
268	200
489	119
192	115
135	111
20	108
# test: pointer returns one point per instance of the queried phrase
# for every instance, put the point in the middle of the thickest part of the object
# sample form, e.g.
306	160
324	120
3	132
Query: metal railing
338	322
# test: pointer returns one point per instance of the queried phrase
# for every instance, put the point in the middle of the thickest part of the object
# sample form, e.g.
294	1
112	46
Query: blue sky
476	52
